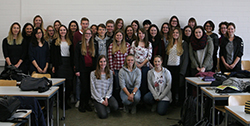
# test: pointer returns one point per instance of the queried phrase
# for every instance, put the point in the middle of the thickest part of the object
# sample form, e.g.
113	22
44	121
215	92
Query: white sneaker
77	104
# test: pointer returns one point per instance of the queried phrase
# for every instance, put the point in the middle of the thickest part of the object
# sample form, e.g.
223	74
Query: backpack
12	73
188	112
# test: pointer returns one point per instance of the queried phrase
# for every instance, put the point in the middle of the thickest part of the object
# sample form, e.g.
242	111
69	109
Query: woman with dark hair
94	29
174	22
187	33
201	50
73	27
129	34
15	48
159	84
27	32
176	61
231	50
56	26
165	33
119	24
38	52
136	26
155	38
38	22
62	57
222	30
209	28
101	88
85	62
192	22
142	49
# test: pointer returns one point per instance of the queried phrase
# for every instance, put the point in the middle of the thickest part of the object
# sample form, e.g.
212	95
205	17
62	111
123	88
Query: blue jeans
162	105
125	100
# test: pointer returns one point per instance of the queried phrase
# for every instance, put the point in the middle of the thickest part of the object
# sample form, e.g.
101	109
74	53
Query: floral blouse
141	53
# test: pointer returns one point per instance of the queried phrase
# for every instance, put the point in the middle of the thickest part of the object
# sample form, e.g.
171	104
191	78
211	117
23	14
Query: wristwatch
134	93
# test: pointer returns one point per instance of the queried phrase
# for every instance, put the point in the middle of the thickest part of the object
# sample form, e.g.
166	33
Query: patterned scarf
198	44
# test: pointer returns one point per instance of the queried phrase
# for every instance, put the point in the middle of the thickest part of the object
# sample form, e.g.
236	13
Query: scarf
198	44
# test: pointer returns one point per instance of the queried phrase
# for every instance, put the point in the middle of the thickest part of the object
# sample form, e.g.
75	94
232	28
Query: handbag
35	84
8	106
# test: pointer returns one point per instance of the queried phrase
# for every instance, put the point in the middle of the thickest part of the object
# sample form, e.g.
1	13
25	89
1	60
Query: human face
15	29
153	31
39	34
157	62
73	27
146	26
141	35
84	24
188	32
174	22
230	30
119	37
176	34
62	31
223	29
57	25
135	26
101	31
165	29
51	31
88	35
102	63
208	28
130	61
38	22
191	23
198	33
28	30
94	29
110	27
129	31
120	24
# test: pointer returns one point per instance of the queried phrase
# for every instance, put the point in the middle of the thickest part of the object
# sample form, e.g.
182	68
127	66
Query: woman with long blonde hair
85	62
176	62
117	52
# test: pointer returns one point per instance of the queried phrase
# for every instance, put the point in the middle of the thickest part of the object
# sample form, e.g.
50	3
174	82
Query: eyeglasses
174	20
39	33
208	26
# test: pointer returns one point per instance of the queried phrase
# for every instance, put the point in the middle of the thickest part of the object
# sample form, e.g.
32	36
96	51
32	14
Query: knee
126	102
103	115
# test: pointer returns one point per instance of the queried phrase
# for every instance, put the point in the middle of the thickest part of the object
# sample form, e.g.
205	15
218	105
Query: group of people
120	66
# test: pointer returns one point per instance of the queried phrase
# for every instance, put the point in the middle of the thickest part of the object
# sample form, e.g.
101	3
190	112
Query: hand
198	69
105	102
151	66
39	70
77	74
53	69
17	65
131	97
44	70
157	99
231	66
202	69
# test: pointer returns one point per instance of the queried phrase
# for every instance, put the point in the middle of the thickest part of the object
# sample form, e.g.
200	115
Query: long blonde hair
122	47
19	37
91	44
58	40
46	35
179	43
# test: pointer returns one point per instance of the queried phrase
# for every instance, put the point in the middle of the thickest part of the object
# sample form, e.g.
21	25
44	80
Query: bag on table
8	106
35	84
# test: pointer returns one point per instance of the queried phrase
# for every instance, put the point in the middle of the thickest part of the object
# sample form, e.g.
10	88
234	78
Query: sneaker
77	104
88	108
133	110
153	109
125	109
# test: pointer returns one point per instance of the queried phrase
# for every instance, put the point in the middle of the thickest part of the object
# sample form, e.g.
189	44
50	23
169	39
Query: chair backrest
38	75
8	83
237	100
245	65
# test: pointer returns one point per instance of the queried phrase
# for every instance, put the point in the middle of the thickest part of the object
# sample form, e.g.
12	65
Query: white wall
99	11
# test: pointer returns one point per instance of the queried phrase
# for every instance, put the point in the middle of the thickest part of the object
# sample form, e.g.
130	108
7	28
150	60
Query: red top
77	38
88	59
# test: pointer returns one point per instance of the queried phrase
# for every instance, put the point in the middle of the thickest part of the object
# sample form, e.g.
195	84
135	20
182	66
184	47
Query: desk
238	113
20	116
210	92
197	82
15	91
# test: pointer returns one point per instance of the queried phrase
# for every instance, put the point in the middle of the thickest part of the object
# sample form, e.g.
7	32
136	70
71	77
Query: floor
143	117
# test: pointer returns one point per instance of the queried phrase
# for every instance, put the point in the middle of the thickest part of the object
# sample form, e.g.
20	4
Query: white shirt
173	58
64	49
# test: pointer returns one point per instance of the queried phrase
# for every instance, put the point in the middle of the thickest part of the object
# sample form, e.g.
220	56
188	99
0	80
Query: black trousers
175	72
85	87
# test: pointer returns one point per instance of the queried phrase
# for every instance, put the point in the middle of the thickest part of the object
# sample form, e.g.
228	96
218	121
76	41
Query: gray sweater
129	79
167	85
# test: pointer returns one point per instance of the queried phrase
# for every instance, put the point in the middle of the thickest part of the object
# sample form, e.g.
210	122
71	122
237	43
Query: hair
125	62
145	40
58	40
133	36
110	22
158	56
46	36
179	43
178	23
34	39
98	70
38	16
187	26
91	44
192	19
230	24
122	47
56	22
210	23
137	22
71	32
93	25
101	25
162	34
145	22
116	23
198	27
157	37
84	19
10	37
24	31
222	23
